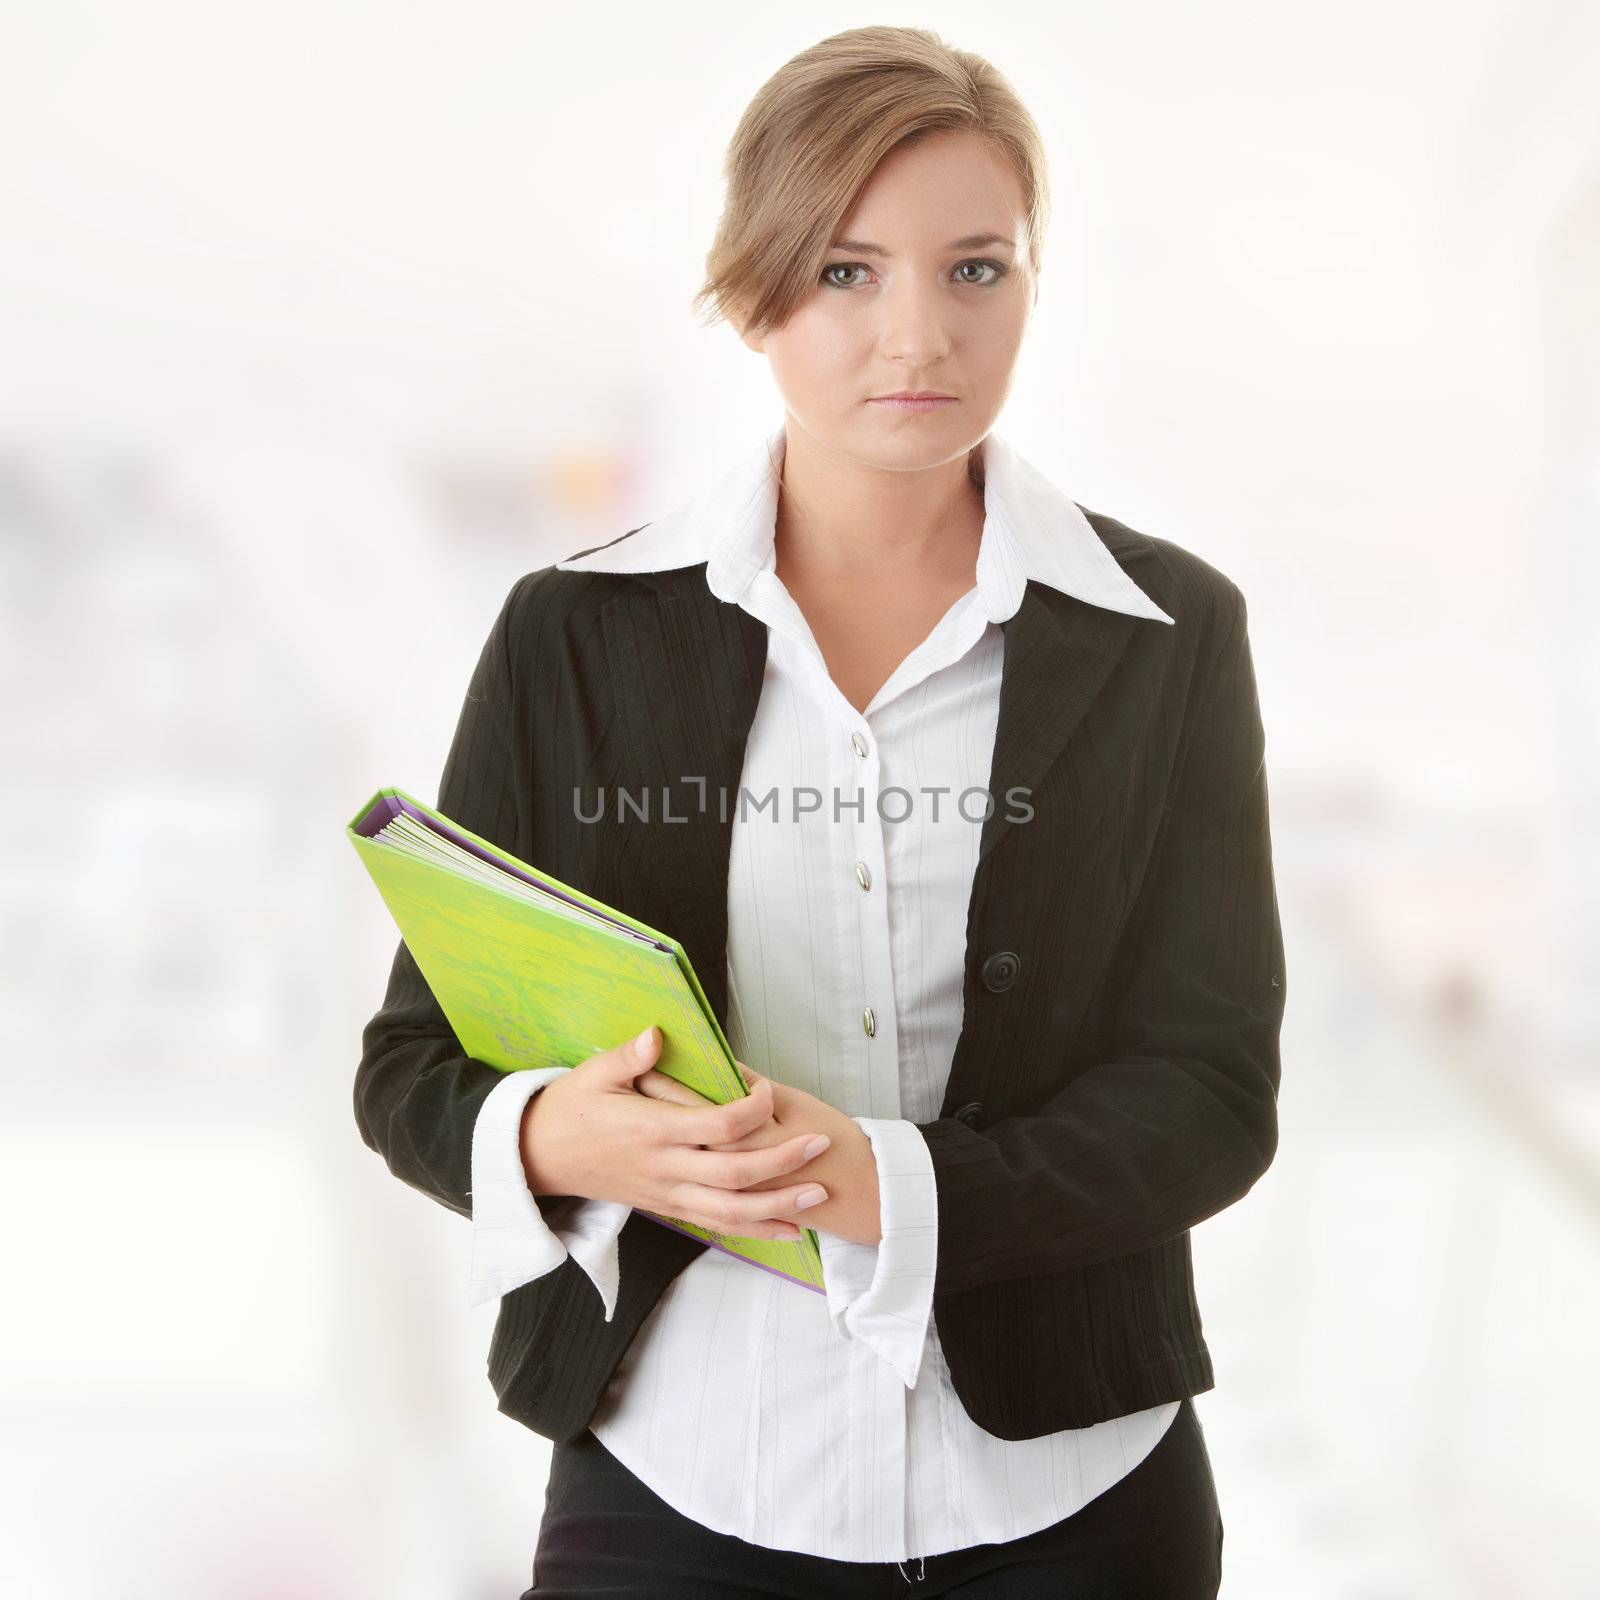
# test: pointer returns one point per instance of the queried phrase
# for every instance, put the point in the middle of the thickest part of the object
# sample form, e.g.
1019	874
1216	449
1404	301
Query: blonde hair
814	134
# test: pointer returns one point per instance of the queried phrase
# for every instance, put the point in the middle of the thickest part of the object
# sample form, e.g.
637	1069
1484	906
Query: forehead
947	184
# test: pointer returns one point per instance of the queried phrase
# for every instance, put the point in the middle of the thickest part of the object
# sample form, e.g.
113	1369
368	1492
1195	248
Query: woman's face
938	303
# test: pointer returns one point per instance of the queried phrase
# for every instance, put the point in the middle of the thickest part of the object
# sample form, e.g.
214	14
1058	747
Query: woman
961	816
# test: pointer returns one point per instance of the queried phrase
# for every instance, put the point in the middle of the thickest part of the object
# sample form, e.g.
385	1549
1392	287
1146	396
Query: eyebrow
971	241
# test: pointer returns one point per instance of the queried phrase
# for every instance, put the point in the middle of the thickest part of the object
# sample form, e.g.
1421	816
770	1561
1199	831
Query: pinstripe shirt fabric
829	1425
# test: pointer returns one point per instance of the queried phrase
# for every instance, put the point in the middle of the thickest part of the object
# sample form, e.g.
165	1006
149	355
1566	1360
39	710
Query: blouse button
868	1022
863	876
859	743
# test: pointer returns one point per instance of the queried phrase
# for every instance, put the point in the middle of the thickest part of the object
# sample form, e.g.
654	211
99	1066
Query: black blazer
1115	1080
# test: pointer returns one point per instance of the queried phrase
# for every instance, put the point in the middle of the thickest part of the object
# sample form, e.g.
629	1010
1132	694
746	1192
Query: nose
911	323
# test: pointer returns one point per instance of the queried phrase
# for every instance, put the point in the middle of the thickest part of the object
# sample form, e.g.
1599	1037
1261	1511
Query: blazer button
1000	970
971	1114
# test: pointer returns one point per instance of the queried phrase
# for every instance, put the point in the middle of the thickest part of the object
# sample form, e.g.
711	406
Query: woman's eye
840	266
999	269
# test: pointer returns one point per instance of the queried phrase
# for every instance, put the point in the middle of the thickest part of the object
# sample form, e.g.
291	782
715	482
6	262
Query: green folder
531	972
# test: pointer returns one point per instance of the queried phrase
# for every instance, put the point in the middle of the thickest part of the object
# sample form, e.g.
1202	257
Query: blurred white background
320	324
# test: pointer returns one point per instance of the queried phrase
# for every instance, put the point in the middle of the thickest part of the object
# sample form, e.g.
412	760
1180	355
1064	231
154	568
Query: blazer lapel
688	669
1059	652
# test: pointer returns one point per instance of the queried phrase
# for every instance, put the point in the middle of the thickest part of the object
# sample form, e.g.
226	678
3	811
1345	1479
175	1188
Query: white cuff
590	1229
882	1293
512	1241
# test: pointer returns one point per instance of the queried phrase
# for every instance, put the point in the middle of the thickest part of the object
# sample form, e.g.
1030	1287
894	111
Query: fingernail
810	1197
642	1043
817	1145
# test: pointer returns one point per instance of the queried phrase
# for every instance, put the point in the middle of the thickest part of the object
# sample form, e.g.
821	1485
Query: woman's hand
591	1133
848	1168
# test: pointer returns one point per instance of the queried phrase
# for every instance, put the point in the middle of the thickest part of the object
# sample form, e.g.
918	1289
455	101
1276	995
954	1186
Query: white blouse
761	1409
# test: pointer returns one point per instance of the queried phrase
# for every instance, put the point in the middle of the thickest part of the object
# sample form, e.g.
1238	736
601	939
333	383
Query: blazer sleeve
1179	1118
417	1092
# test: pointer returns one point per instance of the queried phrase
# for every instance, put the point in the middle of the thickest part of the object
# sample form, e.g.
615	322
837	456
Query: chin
907	439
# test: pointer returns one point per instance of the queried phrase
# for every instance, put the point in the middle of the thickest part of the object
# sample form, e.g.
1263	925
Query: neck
844	521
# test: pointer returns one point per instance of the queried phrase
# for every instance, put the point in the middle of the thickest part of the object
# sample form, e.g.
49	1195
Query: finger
773	1131
626	1061
725	1123
759	1140
729	1210
781	1095
733	1169
659	1086
753	1230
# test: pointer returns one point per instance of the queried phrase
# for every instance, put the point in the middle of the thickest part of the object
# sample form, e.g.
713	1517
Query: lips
914	402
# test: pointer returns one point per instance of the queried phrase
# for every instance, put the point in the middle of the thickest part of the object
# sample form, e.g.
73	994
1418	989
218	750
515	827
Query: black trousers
1154	1535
